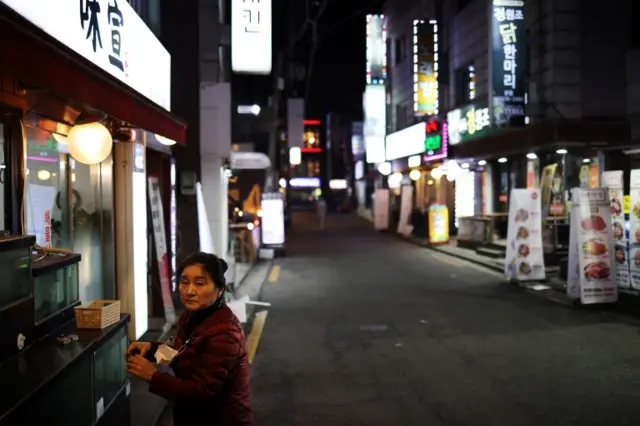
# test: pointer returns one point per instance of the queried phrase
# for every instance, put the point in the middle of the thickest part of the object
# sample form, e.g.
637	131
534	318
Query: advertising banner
273	232
508	55
438	224
524	259
613	180
162	254
425	66
406	204
381	210
634	229
592	274
376	49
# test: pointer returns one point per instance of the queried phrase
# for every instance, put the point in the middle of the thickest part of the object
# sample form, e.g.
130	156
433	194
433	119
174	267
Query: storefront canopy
546	134
40	60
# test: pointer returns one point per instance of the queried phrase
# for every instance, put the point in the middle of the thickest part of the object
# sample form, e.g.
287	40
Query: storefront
81	96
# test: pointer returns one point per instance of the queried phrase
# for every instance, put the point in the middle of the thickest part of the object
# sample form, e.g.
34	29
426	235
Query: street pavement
367	329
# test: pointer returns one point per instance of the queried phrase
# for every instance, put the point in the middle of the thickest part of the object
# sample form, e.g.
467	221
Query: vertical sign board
425	67
162	254
273	233
251	36
508	57
357	145
375	122
376	49
295	122
139	237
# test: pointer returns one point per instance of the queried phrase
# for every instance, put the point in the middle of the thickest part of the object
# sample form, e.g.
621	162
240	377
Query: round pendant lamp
90	143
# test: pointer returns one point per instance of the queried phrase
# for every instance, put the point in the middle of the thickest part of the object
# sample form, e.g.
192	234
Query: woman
211	367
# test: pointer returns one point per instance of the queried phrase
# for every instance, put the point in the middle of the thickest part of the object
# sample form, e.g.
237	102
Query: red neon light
432	126
311	122
311	150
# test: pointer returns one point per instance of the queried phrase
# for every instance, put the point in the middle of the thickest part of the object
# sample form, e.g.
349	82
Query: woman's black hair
211	263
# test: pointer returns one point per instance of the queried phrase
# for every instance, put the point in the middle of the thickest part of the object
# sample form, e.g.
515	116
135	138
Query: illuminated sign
508	59
272	225
251	39
357	143
375	122
338	184
417	139
425	67
295	156
435	144
468	123
305	182
376	49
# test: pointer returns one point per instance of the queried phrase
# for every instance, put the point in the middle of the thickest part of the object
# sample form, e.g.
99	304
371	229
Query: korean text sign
251	36
508	60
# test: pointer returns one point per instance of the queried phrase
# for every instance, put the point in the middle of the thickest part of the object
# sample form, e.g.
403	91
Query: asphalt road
365	329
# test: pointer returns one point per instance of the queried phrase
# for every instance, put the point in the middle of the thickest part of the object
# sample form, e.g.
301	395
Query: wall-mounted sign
468	123
376	49
417	139
108	34
436	145
425	67
251	38
508	56
305	182
375	122
357	143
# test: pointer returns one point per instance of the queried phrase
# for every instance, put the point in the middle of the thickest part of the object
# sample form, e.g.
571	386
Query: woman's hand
137	348
140	367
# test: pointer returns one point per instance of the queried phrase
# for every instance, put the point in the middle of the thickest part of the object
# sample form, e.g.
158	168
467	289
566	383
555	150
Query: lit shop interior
482	188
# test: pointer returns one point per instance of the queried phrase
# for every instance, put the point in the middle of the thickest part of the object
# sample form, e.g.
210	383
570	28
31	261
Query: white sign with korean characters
524	258
613	180
592	272
109	34
634	229
251	36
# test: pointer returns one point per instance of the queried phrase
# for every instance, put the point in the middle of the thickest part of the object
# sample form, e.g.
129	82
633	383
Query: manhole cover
373	327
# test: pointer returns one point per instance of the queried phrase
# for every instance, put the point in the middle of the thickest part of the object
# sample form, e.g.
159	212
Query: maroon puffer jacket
211	382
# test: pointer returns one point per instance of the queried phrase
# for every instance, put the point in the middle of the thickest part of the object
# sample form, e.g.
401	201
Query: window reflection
46	197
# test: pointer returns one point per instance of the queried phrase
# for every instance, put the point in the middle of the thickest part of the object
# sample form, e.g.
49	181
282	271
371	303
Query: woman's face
197	290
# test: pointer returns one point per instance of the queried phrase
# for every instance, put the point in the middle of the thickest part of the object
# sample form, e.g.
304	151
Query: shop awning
546	134
39	60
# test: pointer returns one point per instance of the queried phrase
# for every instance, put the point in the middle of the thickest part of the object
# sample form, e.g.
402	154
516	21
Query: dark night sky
338	75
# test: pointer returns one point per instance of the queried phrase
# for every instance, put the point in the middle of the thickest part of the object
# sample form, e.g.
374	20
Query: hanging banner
613	180
381	210
634	229
162	254
406	203
524	259
591	270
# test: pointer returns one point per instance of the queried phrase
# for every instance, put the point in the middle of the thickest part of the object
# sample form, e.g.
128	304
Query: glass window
55	291
46	199
3	176
16	275
109	367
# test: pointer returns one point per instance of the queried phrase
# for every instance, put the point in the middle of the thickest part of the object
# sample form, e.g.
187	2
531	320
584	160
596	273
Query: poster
381	210
438	224
613	180
634	229
162	254
524	258
406	204
591	269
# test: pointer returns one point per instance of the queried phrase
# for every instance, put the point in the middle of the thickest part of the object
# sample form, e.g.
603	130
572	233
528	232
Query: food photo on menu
616	207
621	254
595	247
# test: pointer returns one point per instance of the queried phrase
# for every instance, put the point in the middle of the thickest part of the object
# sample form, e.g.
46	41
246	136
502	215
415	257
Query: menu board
634	229
592	275
525	259
613	180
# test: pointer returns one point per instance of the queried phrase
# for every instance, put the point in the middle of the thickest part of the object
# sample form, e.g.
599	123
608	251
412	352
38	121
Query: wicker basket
97	315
